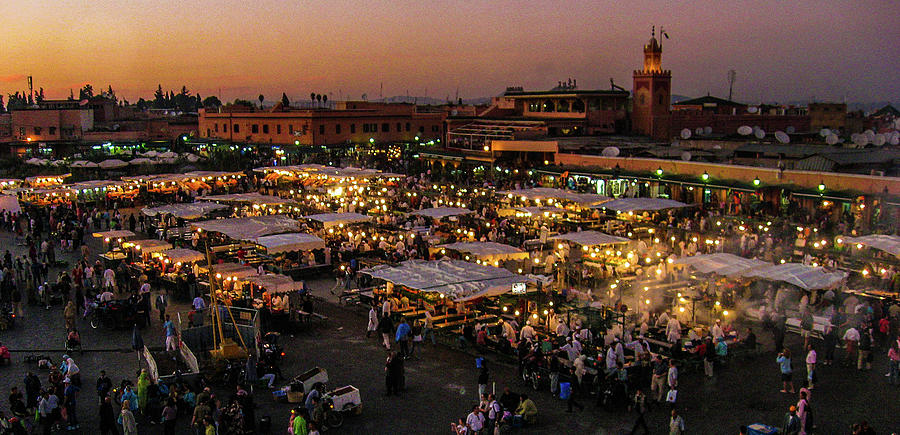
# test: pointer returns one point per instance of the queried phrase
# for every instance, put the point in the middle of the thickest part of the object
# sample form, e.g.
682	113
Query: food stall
438	213
113	240
329	220
487	253
253	203
292	253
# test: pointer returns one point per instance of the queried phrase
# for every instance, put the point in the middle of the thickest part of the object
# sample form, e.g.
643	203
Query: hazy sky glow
782	50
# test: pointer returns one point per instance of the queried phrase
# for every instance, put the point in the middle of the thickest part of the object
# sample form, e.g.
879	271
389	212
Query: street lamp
705	176
756	182
659	172
821	186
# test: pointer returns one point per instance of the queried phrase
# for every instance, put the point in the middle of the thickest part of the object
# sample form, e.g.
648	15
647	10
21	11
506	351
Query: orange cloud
12	78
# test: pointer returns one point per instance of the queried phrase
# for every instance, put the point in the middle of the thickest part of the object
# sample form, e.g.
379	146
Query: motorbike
270	350
235	372
114	314
7	317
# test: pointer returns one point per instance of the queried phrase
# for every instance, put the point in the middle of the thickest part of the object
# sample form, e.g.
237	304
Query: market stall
883	242
721	263
488	253
329	220
186	211
624	205
454	280
800	275
10	204
438	213
550	195
248	227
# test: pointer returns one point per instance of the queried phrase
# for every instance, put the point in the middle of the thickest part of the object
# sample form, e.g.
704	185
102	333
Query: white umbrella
168	155
35	161
91	165
113	164
141	161
150	153
192	157
78	164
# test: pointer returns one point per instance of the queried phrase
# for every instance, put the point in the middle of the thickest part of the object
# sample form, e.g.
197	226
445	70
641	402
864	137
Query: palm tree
319	99
261	98
325	99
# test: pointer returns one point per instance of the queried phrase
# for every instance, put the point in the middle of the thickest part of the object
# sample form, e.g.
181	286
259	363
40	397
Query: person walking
894	362
784	362
107	418
387	328
811	358
483	376
851	339
676	423
70	393
829	342
658	379
791	422
169	414
373	322
864	361
402	337
162	301
639	404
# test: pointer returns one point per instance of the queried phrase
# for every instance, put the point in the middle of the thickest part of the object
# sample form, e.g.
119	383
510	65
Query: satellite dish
759	133
895	139
879	140
686	133
686	156
753	109
610	152
824	132
870	135
782	137
707	130
717	147
791	129
745	130
861	140
832	139
698	131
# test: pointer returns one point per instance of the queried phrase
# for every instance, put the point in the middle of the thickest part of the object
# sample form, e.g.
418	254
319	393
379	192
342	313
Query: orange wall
805	179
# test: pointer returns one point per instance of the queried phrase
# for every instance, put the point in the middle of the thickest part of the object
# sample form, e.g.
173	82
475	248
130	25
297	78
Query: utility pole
732	75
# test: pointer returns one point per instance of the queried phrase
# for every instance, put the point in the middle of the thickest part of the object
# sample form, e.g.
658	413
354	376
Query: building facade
348	122
827	115
47	125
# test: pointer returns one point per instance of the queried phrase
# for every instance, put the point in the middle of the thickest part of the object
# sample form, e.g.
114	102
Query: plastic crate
761	429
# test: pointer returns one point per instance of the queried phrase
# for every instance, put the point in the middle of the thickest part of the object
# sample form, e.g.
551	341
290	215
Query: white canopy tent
148	245
488	251
336	219
798	274
229	270
188	211
641	204
590	238
247	198
441	212
545	193
113	164
457	280
721	263
531	211
248	228
274	283
10	203
182	255
289	242
884	242
114	234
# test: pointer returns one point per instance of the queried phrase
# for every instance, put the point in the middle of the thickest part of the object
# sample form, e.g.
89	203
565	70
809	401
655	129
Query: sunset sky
781	50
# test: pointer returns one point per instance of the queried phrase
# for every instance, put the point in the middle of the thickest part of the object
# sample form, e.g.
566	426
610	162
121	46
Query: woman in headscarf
143	384
73	372
126	417
69	314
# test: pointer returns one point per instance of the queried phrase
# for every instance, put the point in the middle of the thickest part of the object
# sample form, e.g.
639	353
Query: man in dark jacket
107	418
104	384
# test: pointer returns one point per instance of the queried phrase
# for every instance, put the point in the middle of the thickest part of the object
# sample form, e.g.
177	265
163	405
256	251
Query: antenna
732	75
381	91
30	87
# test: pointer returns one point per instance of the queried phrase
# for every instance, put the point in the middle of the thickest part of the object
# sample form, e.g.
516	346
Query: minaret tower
651	109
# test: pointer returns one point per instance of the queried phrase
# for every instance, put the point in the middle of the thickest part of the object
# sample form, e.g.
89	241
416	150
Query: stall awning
114	234
884	242
188	211
798	274
531	211
10	204
229	270
545	193
334	219
457	280
441	212
590	238
247	198
489	251
641	204
182	255
274	283
721	263
148	245
249	227
289	242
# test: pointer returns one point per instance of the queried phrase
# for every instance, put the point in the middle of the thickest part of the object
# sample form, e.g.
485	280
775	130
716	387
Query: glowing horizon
345	48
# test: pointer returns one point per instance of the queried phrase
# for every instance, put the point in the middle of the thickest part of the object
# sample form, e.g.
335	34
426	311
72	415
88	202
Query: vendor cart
341	401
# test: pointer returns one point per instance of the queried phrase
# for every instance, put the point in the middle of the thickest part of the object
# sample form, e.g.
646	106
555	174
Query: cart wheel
334	419
535	381
95	322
